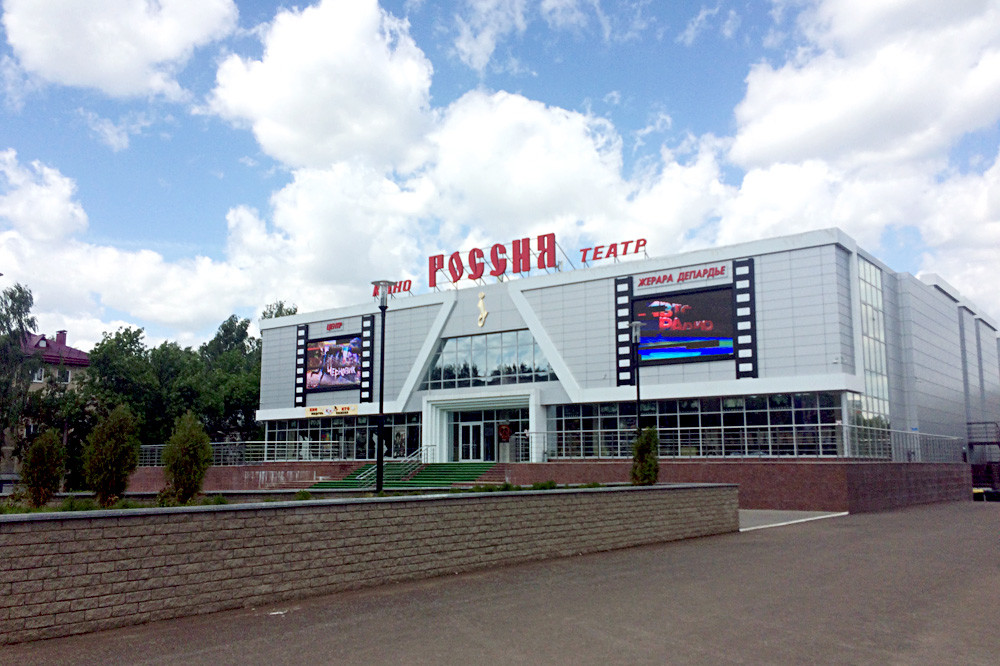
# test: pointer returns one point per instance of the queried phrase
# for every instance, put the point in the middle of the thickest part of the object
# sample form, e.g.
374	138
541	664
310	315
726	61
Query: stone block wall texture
64	574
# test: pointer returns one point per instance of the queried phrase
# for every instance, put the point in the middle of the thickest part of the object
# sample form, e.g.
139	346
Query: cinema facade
804	347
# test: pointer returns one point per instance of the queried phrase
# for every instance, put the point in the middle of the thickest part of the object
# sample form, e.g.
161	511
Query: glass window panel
732	404
710	405
478	355
829	400
755	402
829	415
806	416
781	417
508	360
732	419
779	401
688	421
494	358
712	420
804	400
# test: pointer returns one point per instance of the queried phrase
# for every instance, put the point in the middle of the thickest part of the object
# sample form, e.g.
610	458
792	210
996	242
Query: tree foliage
68	412
279	309
112	454
219	382
42	467
16	367
186	458
645	463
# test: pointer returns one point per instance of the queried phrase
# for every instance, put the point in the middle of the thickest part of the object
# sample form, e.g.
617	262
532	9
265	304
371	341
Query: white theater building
799	346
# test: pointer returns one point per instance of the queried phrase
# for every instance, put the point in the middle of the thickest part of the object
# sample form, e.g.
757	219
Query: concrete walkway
915	586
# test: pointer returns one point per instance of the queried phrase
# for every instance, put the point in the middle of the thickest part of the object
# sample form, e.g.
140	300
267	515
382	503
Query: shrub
645	465
544	485
42	467
303	495
77	504
186	457
111	455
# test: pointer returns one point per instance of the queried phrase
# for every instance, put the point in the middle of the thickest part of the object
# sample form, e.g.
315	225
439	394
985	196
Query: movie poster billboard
333	364
688	326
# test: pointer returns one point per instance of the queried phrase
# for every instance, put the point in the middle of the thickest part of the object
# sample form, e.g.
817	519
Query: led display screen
685	326
333	363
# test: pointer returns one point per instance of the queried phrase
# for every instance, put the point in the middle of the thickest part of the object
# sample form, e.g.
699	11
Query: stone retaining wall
70	573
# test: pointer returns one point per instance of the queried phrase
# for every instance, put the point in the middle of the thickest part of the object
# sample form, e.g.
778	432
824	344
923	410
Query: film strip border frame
744	305
301	338
367	354
625	363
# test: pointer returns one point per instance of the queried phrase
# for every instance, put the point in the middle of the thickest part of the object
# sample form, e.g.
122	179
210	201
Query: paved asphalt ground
914	586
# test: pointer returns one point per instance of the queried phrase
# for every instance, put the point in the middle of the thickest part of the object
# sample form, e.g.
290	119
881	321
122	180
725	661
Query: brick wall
797	485
250	477
63	574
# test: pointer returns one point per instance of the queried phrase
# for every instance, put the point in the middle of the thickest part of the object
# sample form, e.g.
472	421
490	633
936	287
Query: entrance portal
488	435
470	437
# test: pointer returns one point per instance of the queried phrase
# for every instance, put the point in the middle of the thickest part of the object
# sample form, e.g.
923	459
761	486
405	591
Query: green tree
232	381
179	387
186	458
16	367
42	467
120	373
68	412
645	464
278	309
233	335
112	454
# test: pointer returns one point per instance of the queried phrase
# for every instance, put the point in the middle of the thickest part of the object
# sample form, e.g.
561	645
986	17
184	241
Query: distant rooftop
55	352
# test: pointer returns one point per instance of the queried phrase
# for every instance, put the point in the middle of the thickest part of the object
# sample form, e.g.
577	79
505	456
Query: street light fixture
636	339
383	305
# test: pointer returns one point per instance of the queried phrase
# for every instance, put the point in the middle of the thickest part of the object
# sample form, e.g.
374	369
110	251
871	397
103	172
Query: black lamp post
383	305
636	339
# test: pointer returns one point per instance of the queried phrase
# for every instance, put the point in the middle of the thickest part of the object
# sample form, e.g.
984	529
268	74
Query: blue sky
167	164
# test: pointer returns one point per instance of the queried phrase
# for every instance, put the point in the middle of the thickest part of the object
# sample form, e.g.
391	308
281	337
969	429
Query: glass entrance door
470	445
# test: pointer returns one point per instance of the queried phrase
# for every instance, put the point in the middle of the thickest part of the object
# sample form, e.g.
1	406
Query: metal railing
400	469
792	441
984	432
233	454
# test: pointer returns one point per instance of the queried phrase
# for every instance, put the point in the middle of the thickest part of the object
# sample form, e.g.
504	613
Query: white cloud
116	136
37	201
503	159
120	47
873	90
338	81
487	22
731	25
563	13
696	26
842	134
39	246
17	84
856	127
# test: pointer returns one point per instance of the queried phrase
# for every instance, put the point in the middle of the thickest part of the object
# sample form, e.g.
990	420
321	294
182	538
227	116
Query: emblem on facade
482	309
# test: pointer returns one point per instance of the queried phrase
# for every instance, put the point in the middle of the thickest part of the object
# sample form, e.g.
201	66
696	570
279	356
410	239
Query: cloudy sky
167	163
